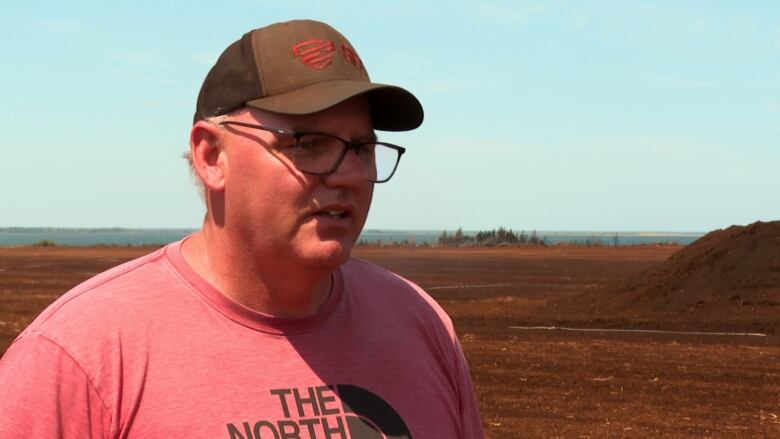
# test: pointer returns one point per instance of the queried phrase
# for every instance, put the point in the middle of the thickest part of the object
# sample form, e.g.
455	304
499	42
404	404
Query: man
259	325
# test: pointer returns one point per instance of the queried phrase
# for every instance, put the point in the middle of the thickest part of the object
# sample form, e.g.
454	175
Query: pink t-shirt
149	349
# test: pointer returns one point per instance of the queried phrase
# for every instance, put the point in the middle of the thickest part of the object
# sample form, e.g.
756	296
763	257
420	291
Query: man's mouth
334	213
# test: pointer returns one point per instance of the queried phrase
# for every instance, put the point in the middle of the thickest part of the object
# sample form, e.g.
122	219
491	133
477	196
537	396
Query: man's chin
329	254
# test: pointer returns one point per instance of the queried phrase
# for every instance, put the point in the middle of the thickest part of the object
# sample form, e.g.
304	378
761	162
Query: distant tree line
500	236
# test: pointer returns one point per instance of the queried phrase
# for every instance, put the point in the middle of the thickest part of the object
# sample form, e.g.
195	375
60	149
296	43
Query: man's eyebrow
367	137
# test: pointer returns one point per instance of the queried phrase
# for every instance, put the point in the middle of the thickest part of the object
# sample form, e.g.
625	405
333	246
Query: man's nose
349	171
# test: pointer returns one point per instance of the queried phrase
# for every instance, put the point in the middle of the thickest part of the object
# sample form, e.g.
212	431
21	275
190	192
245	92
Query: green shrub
45	243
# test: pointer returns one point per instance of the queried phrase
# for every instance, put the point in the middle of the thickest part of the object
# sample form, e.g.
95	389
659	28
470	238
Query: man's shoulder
368	273
391	291
103	298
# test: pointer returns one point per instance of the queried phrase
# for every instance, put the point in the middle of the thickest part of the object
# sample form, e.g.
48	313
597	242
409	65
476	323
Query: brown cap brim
392	108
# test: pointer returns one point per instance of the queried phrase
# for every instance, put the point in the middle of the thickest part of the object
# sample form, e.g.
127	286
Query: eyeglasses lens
320	154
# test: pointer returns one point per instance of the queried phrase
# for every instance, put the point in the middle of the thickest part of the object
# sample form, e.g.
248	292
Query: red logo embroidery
316	54
351	56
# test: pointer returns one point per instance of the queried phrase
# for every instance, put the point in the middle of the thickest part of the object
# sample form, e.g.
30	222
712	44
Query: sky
547	115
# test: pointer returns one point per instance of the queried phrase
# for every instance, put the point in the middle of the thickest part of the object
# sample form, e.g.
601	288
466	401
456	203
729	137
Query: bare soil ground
534	382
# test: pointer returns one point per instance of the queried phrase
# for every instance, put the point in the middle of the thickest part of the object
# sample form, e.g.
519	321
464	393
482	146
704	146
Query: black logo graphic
340	411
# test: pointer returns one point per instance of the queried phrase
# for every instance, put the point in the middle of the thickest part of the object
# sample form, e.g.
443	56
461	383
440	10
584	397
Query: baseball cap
300	67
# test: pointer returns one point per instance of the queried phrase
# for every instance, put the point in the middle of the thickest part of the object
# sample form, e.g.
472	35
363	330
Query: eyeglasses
321	154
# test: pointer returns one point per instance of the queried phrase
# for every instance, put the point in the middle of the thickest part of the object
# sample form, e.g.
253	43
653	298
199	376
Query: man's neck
280	290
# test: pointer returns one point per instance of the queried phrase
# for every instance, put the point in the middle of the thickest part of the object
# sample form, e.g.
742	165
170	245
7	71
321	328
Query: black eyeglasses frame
348	145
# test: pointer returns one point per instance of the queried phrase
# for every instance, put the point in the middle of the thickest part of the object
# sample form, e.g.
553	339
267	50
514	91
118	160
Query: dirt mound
728	275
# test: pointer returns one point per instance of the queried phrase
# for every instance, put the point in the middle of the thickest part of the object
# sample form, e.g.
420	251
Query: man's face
282	214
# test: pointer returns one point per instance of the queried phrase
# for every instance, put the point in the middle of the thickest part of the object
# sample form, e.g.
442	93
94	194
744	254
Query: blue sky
555	115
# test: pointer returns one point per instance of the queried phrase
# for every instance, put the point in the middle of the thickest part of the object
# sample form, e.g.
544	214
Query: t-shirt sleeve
471	423
44	393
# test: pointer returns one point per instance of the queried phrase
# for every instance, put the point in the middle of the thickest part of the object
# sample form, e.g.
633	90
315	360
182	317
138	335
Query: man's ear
206	155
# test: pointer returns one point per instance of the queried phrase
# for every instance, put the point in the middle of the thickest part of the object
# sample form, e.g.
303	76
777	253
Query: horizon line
26	229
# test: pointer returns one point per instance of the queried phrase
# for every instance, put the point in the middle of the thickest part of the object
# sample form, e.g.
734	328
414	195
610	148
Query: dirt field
532	382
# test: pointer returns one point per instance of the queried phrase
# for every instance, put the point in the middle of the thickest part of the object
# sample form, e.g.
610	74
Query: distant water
422	237
115	236
85	237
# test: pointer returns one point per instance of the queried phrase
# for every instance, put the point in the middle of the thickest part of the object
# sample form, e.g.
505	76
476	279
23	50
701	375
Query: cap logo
351	56
315	54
